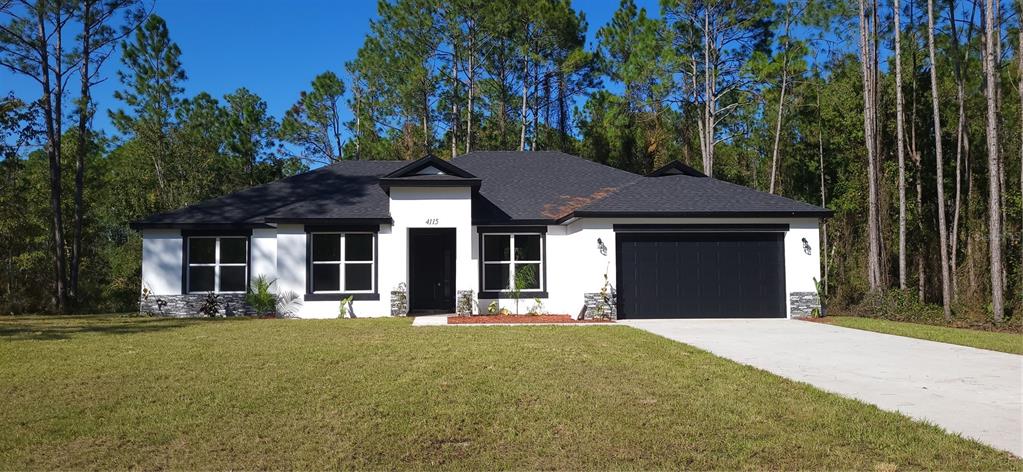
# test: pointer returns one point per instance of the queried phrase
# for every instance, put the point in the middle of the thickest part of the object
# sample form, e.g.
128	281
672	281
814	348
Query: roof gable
430	171
676	167
429	165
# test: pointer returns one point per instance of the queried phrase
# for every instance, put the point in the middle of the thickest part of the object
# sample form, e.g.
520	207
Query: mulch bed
518	319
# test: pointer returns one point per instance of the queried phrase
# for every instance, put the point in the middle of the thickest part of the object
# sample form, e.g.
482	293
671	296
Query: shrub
264	301
261	297
345	309
210	306
898	305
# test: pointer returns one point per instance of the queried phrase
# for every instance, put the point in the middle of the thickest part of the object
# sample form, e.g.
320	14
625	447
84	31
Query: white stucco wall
574	265
161	261
263	251
437	207
411	207
800	268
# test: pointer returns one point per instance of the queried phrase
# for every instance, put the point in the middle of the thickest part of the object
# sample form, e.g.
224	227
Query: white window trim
216	264
341	263
512	262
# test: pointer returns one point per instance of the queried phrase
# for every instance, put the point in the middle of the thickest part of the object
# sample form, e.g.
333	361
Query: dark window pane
358	277
232	250
200	279
326	278
232	278
527	247
326	247
495	277
358	247
495	247
202	250
527	276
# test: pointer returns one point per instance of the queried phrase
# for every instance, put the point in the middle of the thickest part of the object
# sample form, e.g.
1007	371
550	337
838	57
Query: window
218	264
505	255
342	262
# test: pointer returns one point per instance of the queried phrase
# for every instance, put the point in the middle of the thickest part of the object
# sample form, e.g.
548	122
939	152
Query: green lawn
995	341
115	393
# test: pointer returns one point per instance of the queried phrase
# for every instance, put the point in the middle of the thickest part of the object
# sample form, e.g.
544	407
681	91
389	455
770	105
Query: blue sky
273	48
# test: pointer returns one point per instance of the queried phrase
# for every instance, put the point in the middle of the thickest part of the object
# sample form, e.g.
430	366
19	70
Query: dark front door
431	253
701	275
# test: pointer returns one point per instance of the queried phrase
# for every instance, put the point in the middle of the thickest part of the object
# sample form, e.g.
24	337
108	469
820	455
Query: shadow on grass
47	328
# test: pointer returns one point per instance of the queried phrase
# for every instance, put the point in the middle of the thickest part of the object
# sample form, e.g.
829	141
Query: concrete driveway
973	392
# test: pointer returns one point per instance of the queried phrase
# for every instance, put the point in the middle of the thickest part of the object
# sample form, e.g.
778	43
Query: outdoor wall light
601	247
806	247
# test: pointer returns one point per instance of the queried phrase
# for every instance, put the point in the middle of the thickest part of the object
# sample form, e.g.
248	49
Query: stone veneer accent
399	301
464	301
592	301
803	303
187	305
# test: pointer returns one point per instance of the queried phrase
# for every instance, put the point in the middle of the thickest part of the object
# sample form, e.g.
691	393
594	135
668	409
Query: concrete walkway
973	392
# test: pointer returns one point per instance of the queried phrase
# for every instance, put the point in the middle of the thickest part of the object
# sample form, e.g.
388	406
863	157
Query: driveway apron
972	392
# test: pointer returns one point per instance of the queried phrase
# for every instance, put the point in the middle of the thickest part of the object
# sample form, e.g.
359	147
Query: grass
117	393
991	340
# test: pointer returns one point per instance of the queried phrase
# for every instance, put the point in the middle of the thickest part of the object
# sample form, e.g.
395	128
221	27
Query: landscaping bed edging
521	320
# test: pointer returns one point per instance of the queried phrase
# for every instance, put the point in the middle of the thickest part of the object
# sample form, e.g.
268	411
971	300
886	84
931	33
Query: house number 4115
433	221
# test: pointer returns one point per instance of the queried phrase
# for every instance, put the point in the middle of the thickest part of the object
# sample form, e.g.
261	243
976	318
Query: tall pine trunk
781	100
820	156
939	172
454	103
525	90
900	133
709	102
869	122
83	142
994	178
52	113
962	138
471	71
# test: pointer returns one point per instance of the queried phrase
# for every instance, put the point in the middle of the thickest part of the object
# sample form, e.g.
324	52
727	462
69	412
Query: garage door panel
701	275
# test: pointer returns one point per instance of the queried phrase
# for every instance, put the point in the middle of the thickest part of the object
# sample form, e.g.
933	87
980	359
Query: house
434	235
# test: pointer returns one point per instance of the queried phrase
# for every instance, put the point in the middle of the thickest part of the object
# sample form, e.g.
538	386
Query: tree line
876	110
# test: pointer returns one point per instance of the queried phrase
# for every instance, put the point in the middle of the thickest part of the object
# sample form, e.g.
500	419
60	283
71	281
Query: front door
431	269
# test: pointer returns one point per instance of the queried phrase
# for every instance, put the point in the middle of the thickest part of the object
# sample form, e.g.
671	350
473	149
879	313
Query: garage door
701	275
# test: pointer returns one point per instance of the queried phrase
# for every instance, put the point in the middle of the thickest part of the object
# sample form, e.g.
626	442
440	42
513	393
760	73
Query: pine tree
314	122
152	79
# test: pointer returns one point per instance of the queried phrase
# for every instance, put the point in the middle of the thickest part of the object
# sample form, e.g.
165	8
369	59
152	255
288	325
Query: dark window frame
187	236
373	293
512	231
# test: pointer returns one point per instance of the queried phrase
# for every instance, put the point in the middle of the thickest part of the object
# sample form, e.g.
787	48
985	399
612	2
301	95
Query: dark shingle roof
685	195
346	190
545	185
522	187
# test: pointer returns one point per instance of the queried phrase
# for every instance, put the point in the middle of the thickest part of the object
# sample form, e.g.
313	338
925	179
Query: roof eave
387	183
354	221
822	213
141	225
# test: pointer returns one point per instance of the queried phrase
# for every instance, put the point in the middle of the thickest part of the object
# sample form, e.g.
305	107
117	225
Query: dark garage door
701	275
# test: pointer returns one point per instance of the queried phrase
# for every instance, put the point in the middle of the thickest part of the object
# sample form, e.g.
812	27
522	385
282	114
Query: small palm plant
822	299
261	296
525	277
